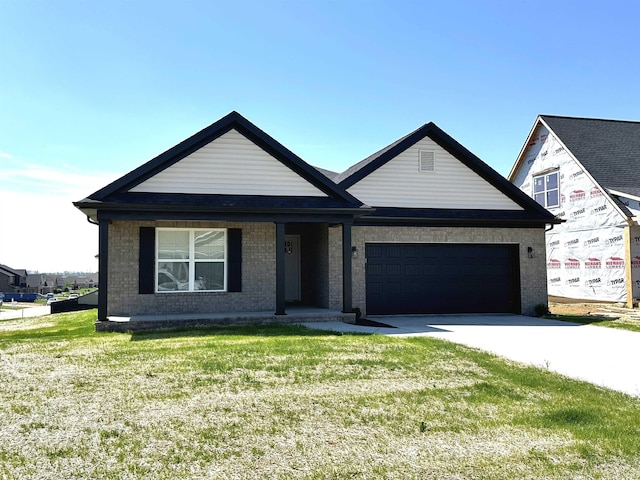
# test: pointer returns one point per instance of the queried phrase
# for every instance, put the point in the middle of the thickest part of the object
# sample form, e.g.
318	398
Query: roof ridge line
589	118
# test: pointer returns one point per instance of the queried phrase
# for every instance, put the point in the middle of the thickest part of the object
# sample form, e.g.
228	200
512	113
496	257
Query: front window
546	190
189	260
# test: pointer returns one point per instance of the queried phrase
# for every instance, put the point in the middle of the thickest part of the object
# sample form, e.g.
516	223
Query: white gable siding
399	183
230	165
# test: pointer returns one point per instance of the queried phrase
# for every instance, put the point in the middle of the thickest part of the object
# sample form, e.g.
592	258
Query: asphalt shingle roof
608	149
371	158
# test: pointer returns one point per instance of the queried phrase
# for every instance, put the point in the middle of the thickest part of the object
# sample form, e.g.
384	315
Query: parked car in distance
74	295
49	295
1	298
51	300
167	281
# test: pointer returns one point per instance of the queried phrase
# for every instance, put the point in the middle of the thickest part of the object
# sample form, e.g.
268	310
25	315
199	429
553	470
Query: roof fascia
520	157
231	121
291	215
386	156
294	162
167	158
8	270
458	151
623	194
450	222
486	172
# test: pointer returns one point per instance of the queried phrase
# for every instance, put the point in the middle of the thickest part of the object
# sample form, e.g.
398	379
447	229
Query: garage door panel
442	278
375	288
374	270
393	288
393	270
412	270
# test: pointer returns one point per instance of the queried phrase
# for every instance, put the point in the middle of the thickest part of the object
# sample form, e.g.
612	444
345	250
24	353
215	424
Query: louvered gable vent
427	161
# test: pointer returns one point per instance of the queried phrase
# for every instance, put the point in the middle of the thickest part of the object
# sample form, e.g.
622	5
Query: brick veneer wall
533	276
258	266
258	274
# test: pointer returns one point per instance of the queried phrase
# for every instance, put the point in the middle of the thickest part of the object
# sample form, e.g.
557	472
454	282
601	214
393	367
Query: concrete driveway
602	356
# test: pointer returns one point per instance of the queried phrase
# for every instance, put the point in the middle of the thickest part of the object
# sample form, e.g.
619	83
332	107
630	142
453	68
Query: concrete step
141	323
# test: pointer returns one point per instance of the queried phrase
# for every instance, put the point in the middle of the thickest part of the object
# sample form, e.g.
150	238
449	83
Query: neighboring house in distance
50	282
12	280
587	172
230	220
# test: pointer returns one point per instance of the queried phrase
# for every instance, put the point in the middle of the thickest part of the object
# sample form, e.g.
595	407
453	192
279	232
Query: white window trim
544	174
191	260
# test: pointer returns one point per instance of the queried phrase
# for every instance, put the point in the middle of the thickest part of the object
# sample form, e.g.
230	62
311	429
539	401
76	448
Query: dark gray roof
371	158
327	173
608	149
12	271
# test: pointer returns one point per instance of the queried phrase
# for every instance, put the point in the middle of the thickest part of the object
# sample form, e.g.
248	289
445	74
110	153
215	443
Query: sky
90	90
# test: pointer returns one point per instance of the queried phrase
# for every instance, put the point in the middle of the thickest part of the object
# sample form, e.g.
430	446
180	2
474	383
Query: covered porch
297	269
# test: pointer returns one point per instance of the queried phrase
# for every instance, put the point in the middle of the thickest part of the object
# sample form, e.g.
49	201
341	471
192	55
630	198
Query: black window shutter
234	260
147	260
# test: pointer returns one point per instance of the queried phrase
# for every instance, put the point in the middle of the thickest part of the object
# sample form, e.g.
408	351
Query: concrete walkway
599	355
28	311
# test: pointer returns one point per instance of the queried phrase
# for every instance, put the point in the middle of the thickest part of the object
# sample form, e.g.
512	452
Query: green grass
622	323
292	403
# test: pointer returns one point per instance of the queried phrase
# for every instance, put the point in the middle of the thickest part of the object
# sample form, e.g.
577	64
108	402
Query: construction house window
546	189
189	260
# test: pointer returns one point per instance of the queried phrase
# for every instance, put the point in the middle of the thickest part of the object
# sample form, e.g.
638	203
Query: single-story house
586	172
230	220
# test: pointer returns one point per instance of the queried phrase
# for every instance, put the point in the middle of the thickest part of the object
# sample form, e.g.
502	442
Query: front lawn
292	403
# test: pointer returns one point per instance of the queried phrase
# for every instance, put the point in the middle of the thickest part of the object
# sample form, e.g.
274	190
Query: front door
292	268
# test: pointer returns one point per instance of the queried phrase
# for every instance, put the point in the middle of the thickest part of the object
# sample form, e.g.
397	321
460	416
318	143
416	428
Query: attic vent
427	161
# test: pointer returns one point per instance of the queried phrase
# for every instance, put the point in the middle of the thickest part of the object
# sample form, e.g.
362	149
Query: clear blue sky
89	90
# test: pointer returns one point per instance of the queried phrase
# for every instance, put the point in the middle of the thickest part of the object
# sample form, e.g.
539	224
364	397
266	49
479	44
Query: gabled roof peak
370	164
233	120
608	149
375	160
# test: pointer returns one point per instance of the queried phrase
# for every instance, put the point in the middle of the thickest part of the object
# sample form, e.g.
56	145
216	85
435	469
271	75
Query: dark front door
442	278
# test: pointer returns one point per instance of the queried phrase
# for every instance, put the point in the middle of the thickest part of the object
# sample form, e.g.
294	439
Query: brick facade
324	244
258	274
533	277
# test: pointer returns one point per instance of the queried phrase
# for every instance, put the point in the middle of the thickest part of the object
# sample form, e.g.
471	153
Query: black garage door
442	278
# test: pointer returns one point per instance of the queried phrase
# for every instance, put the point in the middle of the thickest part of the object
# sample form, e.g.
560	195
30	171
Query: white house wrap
595	253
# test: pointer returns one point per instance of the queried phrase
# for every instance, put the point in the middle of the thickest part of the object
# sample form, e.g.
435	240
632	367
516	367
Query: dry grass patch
600	314
289	403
